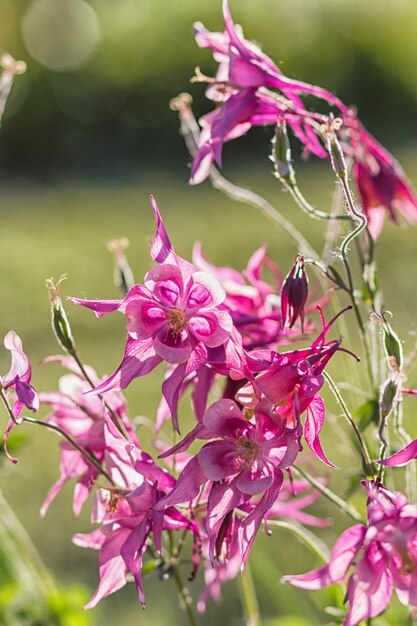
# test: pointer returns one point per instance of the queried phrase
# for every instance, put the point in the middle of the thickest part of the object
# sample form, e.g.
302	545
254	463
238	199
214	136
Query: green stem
185	598
306	206
362	225
249	598
368	465
307	537
89	456
347	508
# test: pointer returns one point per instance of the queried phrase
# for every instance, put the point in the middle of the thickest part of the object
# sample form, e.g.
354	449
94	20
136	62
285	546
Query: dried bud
294	293
281	155
334	148
392	343
123	275
60	323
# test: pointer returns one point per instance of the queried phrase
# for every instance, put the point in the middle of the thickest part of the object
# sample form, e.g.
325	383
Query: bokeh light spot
60	34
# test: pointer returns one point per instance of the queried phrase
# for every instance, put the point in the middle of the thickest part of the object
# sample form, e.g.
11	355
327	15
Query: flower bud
281	155
60	323
294	293
392	344
123	275
389	394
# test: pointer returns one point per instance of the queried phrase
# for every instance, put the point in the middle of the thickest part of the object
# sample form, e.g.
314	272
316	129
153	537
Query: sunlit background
87	136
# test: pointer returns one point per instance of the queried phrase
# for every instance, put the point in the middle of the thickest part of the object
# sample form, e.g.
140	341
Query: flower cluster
248	353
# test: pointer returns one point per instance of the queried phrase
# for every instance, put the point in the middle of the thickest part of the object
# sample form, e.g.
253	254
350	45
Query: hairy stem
347	508
368	464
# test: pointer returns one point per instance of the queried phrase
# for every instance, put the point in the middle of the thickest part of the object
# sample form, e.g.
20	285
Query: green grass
48	231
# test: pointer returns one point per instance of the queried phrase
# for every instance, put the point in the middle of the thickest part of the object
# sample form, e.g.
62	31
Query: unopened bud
392	343
389	393
60	323
281	155
294	293
123	275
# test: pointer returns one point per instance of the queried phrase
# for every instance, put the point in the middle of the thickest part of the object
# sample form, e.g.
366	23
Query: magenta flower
383	554
243	70
246	457
128	518
294	294
382	184
174	317
18	378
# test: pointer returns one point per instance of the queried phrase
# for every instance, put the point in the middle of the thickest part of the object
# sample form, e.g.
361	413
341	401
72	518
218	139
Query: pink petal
172	347
139	359
224	419
204	291
187	488
313	424
344	551
166	284
20	366
27	395
144	318
211	328
217	460
403	456
100	307
161	249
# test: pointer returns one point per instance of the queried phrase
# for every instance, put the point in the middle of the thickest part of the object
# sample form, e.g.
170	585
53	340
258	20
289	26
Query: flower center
407	563
177	320
247	451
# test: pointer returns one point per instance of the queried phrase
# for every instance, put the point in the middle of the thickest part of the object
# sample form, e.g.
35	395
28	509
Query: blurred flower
18	378
388	557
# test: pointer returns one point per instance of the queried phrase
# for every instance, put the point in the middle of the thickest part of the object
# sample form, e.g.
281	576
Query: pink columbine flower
243	70
294	294
82	416
228	555
383	554
382	183
128	518
18	378
175	316
246	459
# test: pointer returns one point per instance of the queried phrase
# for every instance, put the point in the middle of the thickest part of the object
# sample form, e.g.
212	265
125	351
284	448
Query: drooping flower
383	555
174	317
294	294
18	379
243	71
129	521
245	459
382	183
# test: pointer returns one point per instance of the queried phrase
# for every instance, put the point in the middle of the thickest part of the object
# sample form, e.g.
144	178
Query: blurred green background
88	135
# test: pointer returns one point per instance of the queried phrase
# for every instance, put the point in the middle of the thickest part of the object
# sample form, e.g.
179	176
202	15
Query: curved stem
368	465
347	508
308	208
307	537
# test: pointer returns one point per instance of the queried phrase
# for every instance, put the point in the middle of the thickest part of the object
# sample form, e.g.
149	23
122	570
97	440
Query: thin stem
368	465
405	438
249	598
347	508
186	600
89	456
362	225
307	537
308	208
